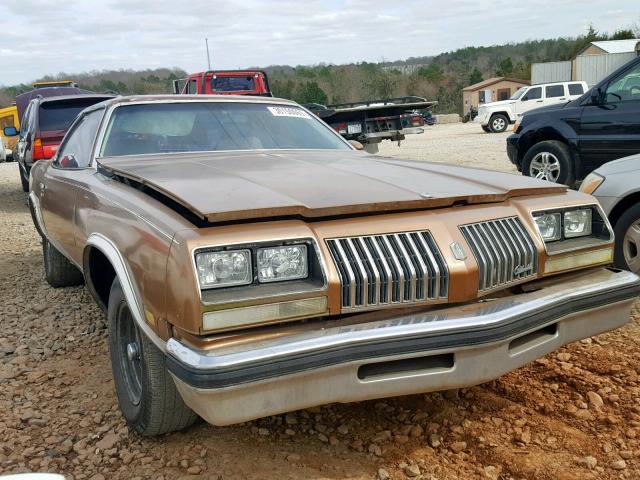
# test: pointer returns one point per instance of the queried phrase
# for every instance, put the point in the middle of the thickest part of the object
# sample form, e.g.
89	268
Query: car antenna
206	42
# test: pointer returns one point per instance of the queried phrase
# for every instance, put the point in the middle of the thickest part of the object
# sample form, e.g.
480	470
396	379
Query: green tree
623	34
475	77
432	72
310	92
505	67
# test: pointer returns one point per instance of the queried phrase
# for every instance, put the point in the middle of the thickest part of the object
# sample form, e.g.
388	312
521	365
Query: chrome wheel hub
545	166
499	124
631	247
133	351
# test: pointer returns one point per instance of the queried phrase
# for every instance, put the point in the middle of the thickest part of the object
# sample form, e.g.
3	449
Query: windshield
518	93
210	126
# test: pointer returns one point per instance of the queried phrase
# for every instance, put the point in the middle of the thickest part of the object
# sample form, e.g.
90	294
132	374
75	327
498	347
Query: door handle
538	101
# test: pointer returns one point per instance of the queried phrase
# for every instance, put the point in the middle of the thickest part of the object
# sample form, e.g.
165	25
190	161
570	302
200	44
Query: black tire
498	123
557	153
626	254
58	270
24	180
486	128
147	395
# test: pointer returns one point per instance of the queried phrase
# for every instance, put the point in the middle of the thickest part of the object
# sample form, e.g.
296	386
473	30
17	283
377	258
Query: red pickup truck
224	82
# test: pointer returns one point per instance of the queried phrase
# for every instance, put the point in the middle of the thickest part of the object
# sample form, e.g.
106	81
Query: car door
554	94
530	100
610	127
59	188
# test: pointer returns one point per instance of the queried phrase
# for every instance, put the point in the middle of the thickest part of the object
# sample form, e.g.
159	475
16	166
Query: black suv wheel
549	160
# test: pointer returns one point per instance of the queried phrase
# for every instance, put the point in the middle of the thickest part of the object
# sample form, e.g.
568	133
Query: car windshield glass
232	84
212	126
59	115
518	93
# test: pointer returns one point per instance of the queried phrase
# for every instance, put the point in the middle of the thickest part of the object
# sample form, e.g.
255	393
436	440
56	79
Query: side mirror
10	131
595	96
356	144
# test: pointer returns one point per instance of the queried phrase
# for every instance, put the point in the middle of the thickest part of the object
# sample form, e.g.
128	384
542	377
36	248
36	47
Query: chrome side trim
109	249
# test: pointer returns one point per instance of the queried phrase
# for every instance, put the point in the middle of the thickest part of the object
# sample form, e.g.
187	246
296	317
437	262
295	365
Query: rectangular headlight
577	223
224	269
261	314
549	226
288	262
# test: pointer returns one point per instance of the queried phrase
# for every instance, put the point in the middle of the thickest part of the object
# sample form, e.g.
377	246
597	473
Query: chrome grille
387	269
504	251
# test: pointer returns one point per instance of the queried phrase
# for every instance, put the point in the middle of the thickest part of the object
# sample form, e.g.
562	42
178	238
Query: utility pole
206	42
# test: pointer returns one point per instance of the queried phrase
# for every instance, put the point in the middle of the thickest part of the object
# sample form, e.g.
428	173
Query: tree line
440	77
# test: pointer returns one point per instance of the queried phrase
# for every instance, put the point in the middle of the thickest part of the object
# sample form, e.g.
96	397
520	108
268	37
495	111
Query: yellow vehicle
57	83
9	118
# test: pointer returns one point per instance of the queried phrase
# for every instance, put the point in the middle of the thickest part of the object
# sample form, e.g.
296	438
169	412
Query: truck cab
224	82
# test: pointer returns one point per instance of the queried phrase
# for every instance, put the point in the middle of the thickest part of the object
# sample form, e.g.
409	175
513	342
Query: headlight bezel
601	230
315	281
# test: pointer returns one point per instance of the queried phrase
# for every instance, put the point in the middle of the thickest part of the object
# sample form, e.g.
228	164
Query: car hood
622	165
243	185
501	103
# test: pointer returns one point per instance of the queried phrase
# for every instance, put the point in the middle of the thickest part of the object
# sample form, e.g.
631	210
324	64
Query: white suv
496	116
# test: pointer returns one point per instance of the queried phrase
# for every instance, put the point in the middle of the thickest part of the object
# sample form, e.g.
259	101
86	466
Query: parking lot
572	415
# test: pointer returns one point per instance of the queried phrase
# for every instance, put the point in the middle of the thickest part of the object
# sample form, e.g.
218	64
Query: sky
42	37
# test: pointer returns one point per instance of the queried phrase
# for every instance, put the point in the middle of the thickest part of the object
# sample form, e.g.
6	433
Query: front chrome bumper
347	360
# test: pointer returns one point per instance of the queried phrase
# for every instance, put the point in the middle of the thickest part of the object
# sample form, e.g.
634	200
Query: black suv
43	125
564	143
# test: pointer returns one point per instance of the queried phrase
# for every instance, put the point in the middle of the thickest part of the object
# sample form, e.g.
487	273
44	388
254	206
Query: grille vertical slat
389	269
504	251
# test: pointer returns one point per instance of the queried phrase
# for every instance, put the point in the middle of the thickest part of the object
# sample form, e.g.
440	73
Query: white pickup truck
496	116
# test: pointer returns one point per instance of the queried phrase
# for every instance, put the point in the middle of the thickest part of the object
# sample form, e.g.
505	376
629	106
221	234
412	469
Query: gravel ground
572	415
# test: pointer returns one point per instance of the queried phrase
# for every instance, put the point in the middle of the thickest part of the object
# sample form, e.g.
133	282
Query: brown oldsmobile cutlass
252	262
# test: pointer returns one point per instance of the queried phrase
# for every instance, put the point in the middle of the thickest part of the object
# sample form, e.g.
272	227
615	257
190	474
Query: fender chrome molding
109	249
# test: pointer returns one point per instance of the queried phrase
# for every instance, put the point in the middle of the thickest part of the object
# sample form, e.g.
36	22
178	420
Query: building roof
616	46
490	81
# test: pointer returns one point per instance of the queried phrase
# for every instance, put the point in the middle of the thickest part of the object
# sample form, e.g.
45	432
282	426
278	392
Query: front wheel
147	395
486	128
627	248
551	161
498	123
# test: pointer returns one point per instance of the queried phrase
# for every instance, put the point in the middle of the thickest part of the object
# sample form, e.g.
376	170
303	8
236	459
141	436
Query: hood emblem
520	269
458	251
426	195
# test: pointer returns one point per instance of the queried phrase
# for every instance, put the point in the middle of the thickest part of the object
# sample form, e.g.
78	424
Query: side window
26	120
624	88
534	93
192	87
75	152
554	91
576	89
